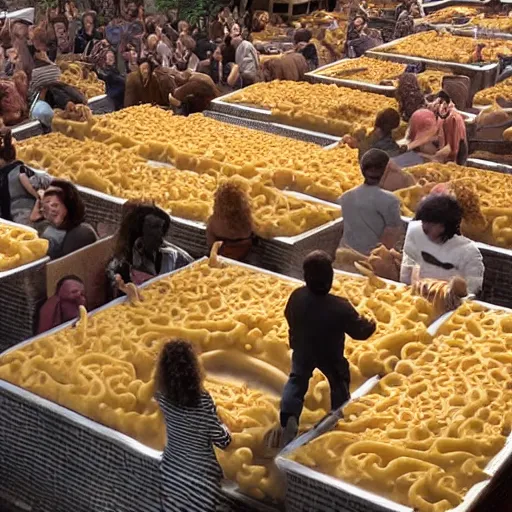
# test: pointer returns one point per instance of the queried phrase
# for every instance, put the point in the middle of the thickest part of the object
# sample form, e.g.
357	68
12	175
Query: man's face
88	24
145	71
61	32
75	292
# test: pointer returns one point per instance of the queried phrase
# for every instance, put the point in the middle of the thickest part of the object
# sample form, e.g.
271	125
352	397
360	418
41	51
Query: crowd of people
173	64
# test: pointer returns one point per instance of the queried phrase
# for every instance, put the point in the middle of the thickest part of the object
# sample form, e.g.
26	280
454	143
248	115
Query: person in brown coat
149	84
291	66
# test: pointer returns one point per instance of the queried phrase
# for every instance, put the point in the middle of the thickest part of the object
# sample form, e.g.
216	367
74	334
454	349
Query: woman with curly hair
141	251
231	222
409	95
191	474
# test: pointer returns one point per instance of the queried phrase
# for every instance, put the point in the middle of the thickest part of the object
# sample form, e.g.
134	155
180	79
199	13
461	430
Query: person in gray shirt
371	215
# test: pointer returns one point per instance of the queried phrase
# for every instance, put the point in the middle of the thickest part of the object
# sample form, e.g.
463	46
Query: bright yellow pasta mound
449	48
502	90
496	23
425	434
375	71
19	246
447	14
201	144
364	69
185	194
320	107
494	190
104	367
85	80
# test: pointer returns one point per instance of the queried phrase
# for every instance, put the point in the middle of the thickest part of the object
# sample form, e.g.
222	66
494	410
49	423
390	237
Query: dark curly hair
409	95
179	377
441	209
231	206
318	272
132	223
69	195
7	148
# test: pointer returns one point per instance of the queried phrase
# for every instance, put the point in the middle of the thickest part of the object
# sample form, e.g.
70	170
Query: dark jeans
334	368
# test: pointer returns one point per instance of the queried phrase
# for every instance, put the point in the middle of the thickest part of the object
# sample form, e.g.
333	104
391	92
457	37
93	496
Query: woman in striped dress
191	475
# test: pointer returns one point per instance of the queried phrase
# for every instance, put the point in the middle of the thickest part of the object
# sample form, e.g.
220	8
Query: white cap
27	15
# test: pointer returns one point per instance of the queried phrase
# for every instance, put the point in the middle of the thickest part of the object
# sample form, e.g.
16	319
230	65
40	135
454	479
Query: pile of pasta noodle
449	48
365	69
496	23
185	194
493	189
104	367
375	71
324	108
19	246
426	433
447	14
84	79
202	144
500	91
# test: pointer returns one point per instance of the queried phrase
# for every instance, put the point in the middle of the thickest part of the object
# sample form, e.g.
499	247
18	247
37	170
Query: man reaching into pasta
318	322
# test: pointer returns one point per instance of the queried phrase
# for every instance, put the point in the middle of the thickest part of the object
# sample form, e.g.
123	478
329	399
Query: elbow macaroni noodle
198	143
425	434
502	90
104	367
19	246
443	46
374	71
185	194
87	83
321	107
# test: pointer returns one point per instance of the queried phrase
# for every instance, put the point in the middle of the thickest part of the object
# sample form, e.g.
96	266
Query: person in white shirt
434	247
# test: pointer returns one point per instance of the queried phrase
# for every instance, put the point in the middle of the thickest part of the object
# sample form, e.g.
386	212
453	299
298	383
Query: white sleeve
473	269
409	258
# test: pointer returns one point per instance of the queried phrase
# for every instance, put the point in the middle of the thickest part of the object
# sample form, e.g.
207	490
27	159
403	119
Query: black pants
335	368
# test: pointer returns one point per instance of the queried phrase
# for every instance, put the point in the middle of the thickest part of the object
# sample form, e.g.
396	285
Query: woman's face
88	24
217	54
235	30
359	23
54	210
433	231
110	59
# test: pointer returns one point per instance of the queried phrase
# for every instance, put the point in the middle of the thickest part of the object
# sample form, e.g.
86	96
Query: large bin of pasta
321	107
183	175
485	196
22	281
80	429
430	436
374	75
448	52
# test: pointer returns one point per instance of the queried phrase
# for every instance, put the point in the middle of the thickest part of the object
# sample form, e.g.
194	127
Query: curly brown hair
409	95
232	207
179	377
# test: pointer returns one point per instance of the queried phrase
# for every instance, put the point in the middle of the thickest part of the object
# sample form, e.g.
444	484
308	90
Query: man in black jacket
318	322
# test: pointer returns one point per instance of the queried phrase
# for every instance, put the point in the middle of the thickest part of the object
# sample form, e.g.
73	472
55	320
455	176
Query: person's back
318	322
367	211
370	215
190	473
